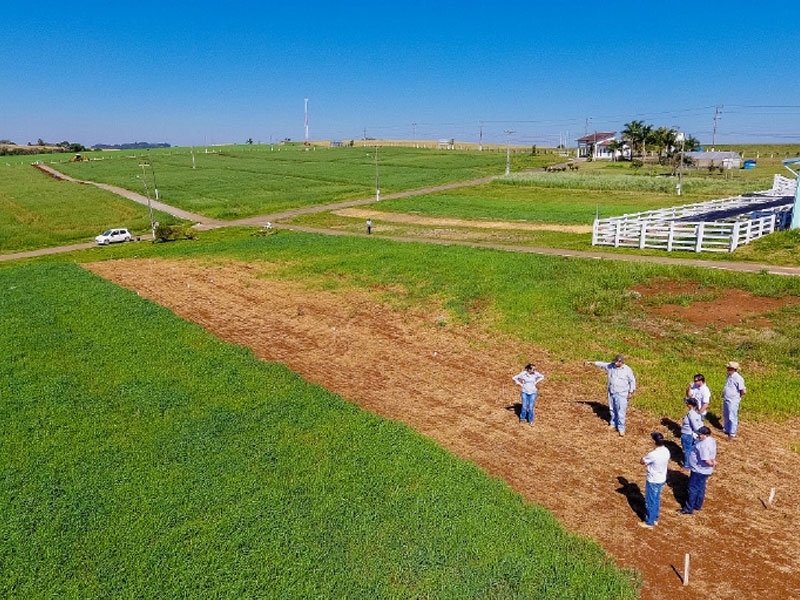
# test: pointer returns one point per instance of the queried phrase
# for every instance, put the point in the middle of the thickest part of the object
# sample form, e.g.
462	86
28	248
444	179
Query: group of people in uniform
699	447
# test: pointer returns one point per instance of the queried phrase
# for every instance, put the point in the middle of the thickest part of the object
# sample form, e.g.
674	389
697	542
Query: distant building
596	145
714	160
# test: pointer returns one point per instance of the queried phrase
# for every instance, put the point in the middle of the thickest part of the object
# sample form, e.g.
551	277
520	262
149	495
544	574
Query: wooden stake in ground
686	569
771	496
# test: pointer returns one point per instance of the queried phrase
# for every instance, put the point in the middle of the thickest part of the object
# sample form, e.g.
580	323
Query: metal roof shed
726	160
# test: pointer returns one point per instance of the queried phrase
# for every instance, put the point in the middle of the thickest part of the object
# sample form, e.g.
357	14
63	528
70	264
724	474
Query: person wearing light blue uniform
702	460
656	462
621	385
692	422
527	380
732	393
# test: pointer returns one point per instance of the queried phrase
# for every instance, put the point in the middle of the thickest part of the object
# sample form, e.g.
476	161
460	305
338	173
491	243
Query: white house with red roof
596	145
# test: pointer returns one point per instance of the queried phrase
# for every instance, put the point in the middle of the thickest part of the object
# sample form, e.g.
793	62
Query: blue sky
197	73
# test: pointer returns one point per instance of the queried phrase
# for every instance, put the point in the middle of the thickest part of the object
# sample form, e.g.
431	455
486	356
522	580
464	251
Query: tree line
645	140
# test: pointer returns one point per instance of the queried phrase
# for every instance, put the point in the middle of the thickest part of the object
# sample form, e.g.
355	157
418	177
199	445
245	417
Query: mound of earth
453	384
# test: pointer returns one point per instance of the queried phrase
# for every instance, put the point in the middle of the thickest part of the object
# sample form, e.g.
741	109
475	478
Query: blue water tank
749	164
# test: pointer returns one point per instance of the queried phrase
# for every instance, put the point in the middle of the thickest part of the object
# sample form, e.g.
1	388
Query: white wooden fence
690	236
661	230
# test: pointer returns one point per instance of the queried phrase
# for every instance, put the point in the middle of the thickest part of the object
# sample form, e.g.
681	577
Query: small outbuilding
715	160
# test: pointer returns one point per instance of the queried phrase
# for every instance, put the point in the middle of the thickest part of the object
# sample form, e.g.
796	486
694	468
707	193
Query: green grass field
240	181
37	211
237	182
142	457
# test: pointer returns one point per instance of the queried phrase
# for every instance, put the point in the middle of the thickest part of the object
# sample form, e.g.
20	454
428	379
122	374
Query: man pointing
621	385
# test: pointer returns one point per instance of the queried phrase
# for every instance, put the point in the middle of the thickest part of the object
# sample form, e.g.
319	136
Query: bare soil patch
728	307
453	384
362	213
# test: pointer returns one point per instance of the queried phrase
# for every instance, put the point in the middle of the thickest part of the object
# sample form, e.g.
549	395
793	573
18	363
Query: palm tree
637	134
615	146
664	140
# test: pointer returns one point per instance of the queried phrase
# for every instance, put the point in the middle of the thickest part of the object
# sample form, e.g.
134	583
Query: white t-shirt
656	462
702	394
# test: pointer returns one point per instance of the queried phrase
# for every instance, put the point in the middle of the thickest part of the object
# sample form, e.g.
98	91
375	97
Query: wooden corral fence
729	223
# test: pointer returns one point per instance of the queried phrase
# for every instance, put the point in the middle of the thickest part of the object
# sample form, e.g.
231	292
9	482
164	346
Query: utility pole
414	127
155	185
149	205
508	133
480	138
717	115
377	178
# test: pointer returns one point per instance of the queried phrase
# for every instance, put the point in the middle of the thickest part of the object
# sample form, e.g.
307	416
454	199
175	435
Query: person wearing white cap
621	385
732	394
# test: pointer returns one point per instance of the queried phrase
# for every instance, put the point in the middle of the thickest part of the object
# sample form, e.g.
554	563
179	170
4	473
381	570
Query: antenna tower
306	121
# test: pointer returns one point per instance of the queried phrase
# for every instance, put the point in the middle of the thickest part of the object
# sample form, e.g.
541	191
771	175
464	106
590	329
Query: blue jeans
652	501
528	402
618	405
730	417
697	491
687	443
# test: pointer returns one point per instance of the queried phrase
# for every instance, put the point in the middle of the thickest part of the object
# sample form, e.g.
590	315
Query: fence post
642	236
594	233
671	236
617	233
735	236
698	246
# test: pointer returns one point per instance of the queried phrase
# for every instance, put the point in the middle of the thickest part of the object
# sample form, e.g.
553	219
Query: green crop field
37	211
237	182
142	457
241	181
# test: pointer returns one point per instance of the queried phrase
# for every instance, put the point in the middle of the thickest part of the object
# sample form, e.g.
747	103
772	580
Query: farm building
715	160
596	145
714	226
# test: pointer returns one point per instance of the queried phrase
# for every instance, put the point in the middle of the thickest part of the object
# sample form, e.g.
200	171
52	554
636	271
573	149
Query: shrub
170	233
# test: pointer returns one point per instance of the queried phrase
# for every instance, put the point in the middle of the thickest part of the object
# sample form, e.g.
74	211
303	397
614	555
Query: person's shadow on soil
516	408
713	420
599	409
675	451
673	426
678	482
634	496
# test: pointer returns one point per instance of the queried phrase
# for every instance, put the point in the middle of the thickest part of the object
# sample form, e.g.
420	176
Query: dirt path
453	385
441	222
